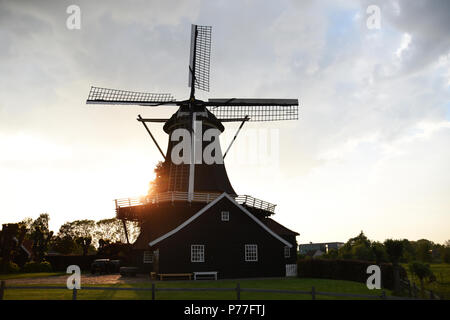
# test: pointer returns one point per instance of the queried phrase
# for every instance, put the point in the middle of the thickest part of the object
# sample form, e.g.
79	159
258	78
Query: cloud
427	24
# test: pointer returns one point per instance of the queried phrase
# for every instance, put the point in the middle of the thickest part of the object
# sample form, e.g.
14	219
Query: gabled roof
208	206
278	228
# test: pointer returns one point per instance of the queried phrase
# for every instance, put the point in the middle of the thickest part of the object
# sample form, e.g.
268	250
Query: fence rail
414	292
238	290
172	196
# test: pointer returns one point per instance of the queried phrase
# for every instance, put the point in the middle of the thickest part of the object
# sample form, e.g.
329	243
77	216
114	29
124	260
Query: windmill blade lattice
255	109
200	57
112	96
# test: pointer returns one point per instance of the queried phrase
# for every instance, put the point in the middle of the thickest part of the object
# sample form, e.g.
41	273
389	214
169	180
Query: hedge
61	262
10	267
351	270
37	267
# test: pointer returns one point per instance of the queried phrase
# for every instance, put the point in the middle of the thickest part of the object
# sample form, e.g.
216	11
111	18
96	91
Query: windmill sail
112	96
256	109
200	57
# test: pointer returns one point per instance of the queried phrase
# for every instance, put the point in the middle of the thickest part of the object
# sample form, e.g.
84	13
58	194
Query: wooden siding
224	246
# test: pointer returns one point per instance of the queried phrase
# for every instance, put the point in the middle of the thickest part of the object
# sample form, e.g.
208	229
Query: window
287	252
148	257
225	216
197	253
251	252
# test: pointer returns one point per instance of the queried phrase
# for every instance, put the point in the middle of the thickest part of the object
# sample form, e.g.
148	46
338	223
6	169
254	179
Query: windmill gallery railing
197	197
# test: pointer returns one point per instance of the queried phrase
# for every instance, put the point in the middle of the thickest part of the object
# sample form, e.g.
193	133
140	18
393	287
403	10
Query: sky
370	150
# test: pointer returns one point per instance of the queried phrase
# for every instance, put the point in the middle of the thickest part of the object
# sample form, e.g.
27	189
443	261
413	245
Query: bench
171	275
205	273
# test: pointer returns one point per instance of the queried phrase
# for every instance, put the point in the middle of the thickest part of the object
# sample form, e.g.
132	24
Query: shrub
37	267
351	270
11	267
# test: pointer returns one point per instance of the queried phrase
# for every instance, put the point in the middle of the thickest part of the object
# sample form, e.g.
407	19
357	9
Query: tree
84	243
358	248
88	234
394	250
78	228
41	236
64	245
331	254
424	249
79	234
379	251
360	239
361	252
112	230
422	271
159	184
409	251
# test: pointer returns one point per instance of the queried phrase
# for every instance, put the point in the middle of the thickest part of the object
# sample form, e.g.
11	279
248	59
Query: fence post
2	289
313	293
383	295
153	291
414	290
431	295
409	289
74	293
238	291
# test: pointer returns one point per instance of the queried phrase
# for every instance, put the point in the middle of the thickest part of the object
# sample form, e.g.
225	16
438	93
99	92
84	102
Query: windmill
189	180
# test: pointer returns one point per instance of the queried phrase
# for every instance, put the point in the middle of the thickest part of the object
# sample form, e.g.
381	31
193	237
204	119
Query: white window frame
287	252
197	253
225	215
251	253
148	257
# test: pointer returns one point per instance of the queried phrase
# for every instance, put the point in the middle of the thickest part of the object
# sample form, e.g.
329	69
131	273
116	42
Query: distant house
313	248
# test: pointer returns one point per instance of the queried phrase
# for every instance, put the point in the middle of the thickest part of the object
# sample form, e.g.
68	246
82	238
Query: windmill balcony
177	196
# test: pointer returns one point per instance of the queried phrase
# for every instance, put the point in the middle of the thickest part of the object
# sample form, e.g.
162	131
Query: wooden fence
414	292
238	290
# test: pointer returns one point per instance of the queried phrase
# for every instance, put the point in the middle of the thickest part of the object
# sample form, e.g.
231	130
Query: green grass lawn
29	275
283	284
442	284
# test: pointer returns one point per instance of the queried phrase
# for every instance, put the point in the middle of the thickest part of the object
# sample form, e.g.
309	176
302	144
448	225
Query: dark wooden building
195	221
222	236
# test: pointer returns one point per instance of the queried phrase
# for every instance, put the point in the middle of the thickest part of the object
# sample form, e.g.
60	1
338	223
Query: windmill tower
195	182
195	176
